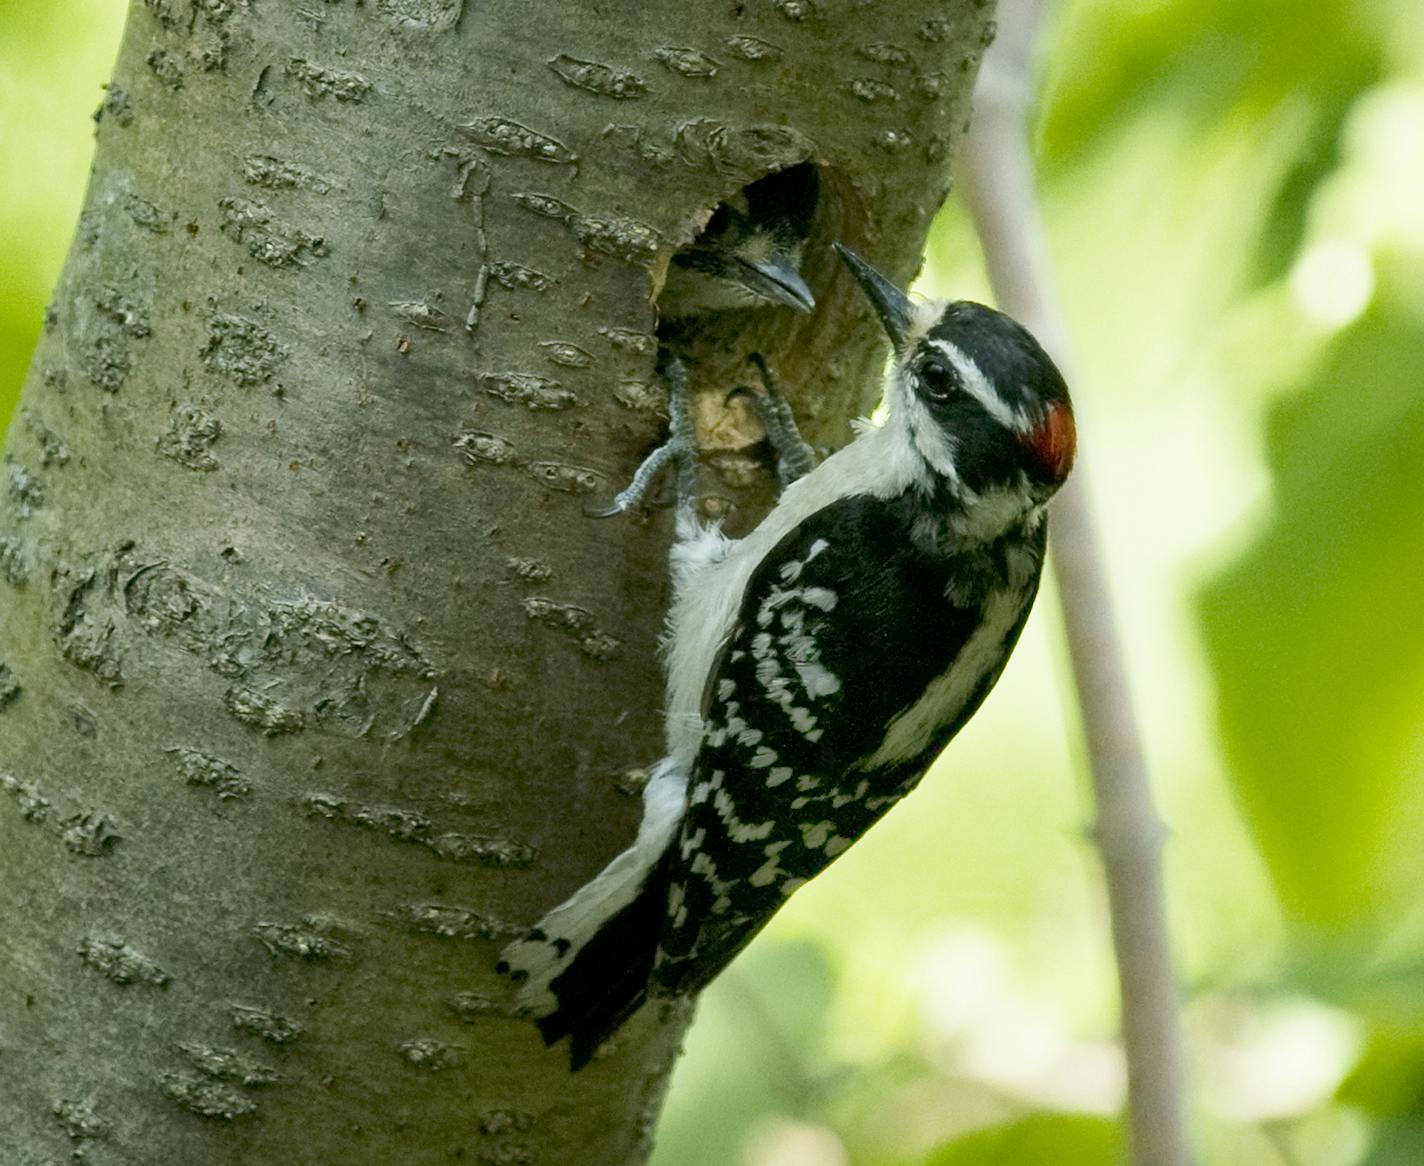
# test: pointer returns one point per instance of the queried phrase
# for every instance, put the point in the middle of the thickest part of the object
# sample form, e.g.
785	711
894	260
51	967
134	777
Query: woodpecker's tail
583	969
607	981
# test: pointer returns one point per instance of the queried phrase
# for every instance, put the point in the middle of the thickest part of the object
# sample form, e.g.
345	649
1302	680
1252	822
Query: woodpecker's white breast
710	571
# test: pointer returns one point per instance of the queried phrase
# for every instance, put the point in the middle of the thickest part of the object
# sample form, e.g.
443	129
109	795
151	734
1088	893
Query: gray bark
315	683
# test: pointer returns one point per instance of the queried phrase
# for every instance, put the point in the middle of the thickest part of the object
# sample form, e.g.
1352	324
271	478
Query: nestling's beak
890	303
775	278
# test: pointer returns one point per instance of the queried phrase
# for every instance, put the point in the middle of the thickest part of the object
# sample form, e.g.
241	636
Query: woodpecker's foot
680	450
794	458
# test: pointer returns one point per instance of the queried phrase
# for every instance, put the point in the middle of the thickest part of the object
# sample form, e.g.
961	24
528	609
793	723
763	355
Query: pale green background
1234	197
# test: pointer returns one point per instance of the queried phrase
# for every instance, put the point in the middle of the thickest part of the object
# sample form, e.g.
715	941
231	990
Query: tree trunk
316	685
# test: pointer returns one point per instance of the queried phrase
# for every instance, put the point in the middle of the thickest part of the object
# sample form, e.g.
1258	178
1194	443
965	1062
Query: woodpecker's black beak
775	278
890	303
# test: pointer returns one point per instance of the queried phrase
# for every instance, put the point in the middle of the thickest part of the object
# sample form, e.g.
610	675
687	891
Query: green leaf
1316	635
1207	59
1397	1143
1389	1079
1038	1138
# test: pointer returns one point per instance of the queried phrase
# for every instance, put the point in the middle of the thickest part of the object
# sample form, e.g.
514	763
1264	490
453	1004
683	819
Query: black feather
608	979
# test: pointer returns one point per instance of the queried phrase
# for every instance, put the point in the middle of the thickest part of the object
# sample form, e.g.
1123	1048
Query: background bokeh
1235	201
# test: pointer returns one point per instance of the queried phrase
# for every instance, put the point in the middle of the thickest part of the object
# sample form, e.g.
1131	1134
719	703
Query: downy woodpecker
816	667
749	254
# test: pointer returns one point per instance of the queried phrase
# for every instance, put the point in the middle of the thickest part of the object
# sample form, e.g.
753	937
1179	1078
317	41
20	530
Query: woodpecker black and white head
974	393
749	255
818	666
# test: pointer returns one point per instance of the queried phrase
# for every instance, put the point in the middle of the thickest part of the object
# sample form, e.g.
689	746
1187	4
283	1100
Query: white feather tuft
559	936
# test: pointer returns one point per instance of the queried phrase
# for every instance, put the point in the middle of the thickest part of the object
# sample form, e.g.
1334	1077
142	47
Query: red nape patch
1055	441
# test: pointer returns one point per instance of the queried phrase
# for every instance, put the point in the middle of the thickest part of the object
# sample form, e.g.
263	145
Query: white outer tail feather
564	931
556	940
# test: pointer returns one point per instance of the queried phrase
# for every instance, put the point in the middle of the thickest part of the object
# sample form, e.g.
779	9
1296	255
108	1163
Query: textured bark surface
315	683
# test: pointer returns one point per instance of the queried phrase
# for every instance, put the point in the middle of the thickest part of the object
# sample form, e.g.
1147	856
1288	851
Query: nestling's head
749	254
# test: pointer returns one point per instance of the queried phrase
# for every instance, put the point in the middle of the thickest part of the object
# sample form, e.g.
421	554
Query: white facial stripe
977	385
923	432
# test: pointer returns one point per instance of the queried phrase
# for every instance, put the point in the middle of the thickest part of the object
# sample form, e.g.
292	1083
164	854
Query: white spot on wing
737	830
703	864
692	842
842	799
818	680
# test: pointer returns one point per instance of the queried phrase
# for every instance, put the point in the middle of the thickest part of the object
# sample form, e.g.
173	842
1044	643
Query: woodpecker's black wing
812	735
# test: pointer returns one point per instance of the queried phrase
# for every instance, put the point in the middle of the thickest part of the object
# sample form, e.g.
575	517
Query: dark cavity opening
749	257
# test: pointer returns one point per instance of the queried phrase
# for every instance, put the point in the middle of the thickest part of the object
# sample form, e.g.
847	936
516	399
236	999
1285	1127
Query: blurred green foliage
1234	201
53	59
1317	632
1083	1141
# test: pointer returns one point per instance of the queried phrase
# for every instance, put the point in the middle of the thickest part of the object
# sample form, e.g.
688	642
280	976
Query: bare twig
999	188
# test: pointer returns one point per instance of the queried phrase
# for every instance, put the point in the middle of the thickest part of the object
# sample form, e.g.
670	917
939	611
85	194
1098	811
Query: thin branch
999	188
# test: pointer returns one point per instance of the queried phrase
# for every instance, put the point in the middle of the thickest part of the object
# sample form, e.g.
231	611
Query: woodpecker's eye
938	379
